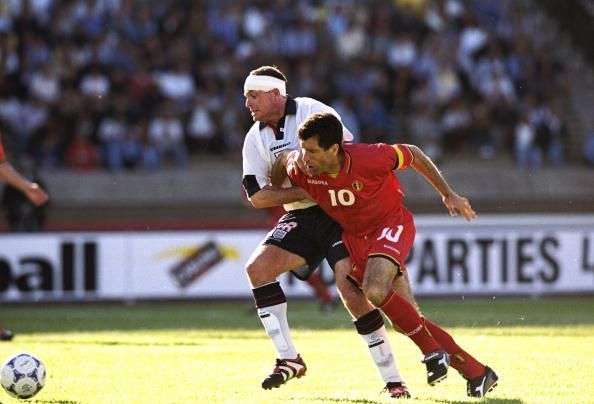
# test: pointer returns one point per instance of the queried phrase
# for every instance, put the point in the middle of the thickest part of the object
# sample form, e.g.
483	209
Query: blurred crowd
139	84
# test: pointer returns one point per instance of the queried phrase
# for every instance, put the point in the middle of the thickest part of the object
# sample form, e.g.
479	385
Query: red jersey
365	192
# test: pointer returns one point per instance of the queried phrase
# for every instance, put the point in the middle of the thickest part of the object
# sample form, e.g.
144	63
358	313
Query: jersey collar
290	109
346	167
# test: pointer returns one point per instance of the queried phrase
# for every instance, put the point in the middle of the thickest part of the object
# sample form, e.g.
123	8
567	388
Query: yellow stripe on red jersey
405	156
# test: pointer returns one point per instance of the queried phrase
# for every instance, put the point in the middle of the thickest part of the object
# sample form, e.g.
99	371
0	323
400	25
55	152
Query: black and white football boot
483	384
284	370
437	364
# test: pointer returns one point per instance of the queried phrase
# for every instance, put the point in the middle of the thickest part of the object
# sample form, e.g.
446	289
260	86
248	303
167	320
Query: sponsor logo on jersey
316	182
280	146
389	247
357	185
415	331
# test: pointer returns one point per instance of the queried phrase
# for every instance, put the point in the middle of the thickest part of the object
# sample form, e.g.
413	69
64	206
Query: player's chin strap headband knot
264	83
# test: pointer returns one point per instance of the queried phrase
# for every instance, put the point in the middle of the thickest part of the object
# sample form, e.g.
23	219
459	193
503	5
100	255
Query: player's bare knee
375	293
257	273
252	273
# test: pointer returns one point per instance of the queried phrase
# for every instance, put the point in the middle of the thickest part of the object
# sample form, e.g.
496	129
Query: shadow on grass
47	341
365	401
343	400
239	315
486	400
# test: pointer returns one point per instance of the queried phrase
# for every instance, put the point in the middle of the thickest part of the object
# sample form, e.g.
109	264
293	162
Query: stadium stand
133	110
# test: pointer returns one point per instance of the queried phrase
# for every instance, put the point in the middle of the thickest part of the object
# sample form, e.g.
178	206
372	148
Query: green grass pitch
217	352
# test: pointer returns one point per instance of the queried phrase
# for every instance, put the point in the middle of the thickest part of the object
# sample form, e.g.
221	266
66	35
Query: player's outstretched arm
269	196
274	194
34	192
452	201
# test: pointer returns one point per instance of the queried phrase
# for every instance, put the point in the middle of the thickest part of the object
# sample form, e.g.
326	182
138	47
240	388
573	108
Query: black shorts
312	235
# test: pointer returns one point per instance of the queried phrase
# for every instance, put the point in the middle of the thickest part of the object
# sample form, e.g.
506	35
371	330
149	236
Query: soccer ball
23	376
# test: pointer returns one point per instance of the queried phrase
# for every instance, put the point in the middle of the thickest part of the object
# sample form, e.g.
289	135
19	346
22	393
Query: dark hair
269	71
325	126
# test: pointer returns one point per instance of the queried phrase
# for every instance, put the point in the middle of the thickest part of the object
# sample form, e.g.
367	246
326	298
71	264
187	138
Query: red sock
460	360
321	289
405	316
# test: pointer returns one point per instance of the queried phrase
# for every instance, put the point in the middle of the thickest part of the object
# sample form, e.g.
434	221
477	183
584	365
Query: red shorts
393	241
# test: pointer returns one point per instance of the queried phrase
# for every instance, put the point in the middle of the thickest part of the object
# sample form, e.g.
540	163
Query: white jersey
262	146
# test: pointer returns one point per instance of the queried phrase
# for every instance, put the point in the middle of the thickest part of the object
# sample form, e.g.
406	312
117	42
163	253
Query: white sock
381	353
274	319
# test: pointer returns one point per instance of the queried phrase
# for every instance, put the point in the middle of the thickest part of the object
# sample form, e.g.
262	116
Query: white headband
264	83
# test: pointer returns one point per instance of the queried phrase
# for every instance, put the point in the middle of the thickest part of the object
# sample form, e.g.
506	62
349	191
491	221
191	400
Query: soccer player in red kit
355	184
33	191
